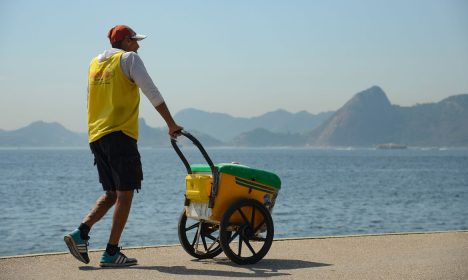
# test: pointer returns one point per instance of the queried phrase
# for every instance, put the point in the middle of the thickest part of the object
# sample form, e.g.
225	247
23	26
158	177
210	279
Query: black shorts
118	162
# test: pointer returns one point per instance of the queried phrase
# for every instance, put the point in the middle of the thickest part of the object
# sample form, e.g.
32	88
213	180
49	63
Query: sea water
45	193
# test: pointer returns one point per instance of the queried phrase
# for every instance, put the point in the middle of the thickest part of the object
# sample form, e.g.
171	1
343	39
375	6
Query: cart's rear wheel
246	231
208	246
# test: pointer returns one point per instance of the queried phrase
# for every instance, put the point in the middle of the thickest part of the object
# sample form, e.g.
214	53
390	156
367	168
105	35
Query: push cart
227	209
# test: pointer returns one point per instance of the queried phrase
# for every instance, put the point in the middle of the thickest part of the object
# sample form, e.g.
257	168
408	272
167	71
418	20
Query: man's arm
136	71
134	68
174	129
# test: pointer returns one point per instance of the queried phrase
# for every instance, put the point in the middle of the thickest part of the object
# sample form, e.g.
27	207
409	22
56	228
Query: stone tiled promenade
436	255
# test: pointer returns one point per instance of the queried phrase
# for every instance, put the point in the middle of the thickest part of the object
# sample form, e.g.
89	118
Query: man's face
130	45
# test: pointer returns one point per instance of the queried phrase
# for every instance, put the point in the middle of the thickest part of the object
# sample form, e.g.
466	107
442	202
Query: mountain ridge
276	121
367	119
44	134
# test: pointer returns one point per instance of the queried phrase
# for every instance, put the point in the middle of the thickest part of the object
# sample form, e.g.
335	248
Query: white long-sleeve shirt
135	70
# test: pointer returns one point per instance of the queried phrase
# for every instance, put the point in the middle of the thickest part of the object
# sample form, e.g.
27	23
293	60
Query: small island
391	146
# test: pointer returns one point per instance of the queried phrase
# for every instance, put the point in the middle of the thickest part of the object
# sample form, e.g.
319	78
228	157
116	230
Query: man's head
123	37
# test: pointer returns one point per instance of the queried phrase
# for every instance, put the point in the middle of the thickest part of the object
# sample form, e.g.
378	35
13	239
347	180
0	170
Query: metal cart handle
214	170
198	145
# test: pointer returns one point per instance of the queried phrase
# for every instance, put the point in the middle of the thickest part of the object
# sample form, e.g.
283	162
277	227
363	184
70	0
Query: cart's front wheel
208	243
246	231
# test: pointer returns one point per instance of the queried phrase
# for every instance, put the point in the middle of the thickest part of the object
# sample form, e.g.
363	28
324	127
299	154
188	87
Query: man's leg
112	257
103	204
77	241
121	212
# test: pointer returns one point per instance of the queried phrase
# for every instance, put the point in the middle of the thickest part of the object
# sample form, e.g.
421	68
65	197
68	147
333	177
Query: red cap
120	32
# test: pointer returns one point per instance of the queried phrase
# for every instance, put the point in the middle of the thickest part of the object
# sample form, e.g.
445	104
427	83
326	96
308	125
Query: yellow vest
113	100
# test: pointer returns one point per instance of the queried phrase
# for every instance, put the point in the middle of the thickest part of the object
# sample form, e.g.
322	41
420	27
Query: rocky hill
369	119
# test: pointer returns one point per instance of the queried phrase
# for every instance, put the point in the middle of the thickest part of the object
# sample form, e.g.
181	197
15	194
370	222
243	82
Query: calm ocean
44	193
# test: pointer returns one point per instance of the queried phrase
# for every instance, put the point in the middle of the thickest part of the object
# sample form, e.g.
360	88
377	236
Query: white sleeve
133	67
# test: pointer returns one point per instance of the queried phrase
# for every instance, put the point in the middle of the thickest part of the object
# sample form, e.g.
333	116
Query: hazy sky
243	58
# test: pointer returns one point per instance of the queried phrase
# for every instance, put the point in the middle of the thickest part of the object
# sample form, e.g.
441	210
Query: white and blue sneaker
78	247
117	260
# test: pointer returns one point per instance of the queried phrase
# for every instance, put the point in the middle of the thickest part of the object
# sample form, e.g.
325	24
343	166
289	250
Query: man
114	79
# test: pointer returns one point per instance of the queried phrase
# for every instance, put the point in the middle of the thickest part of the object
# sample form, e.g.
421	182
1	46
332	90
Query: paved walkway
442	255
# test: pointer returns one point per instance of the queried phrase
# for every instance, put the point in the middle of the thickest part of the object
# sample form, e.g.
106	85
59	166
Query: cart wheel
209	246
249	223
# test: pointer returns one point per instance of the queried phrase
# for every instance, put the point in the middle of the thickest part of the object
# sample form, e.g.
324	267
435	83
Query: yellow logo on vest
103	76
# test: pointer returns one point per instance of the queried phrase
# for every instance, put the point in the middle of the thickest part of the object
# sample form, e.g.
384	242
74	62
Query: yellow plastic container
198	187
232	188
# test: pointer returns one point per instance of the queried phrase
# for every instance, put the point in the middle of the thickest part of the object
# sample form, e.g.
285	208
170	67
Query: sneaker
78	247
117	260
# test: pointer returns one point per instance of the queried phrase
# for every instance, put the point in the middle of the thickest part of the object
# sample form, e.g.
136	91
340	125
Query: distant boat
391	146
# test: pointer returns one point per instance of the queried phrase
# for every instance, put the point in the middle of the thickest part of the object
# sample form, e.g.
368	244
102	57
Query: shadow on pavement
265	268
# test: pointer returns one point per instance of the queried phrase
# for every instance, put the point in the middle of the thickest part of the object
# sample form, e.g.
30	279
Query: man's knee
111	197
124	195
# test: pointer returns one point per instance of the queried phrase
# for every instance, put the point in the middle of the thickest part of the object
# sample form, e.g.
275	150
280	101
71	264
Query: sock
84	231
112	249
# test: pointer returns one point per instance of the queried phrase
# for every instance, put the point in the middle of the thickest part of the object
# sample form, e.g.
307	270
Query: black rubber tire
245	233
209	231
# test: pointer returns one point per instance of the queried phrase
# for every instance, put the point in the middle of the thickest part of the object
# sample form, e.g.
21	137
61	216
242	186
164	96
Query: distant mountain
369	119
436	124
225	127
42	134
261	137
152	137
366	119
